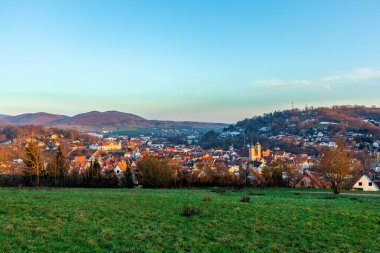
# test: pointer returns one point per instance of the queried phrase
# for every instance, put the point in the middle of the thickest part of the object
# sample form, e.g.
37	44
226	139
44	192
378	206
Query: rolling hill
95	121
102	120
40	118
345	118
297	130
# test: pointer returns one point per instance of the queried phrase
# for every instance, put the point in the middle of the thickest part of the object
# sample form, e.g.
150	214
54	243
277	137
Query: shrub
245	199
297	193
206	198
188	211
9	228
155	173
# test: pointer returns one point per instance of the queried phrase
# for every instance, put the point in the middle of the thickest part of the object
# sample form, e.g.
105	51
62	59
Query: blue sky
187	60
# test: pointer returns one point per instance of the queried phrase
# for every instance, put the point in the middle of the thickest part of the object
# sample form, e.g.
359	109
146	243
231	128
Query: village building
312	180
363	182
255	152
110	146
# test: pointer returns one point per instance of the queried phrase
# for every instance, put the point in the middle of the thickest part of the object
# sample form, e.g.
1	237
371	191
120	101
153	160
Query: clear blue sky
185	59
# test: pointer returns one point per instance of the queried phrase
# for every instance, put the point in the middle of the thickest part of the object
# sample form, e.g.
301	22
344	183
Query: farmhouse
363	182
312	180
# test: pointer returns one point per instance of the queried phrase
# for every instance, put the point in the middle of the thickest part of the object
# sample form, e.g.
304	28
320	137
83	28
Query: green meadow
141	220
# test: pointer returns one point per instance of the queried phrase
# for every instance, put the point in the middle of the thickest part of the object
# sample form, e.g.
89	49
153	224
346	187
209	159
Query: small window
370	184
360	183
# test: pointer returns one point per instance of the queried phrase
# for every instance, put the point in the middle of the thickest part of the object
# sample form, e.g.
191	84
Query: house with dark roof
312	180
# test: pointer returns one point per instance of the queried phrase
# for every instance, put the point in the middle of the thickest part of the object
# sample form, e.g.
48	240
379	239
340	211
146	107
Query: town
189	126
117	157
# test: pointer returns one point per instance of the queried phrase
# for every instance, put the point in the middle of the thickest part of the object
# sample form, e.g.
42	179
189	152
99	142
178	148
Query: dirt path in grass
347	194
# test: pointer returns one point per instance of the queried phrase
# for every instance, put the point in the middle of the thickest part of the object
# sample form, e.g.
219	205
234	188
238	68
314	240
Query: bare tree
282	173
336	166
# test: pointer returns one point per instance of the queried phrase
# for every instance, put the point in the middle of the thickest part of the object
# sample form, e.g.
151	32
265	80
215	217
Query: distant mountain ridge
96	121
40	118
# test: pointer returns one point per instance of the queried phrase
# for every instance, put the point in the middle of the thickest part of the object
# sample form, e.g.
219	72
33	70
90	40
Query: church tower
252	153
255	152
259	154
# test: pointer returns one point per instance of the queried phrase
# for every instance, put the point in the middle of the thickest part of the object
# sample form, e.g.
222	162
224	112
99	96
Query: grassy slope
95	220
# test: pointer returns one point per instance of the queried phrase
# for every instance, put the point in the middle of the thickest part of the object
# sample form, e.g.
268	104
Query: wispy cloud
357	75
281	83
331	78
363	74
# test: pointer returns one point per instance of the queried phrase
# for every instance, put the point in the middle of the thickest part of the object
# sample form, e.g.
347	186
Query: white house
95	147
364	183
119	172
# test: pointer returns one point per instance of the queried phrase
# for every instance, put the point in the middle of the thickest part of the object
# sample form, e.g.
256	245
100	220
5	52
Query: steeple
258	145
252	152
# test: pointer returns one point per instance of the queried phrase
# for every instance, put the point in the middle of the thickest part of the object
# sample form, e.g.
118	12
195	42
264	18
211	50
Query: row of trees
52	170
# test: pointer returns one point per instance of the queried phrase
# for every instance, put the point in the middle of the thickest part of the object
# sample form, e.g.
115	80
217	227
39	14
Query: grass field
120	220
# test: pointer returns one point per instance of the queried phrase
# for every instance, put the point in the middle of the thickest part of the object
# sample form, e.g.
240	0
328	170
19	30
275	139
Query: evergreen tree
61	165
57	168
33	164
128	178
93	173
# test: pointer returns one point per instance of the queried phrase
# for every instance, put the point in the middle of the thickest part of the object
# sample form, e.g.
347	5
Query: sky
206	60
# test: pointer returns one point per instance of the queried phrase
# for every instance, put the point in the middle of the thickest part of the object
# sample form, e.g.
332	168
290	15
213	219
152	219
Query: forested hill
343	117
344	121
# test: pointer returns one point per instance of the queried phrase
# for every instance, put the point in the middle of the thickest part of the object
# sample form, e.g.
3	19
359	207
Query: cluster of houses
121	155
316	137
